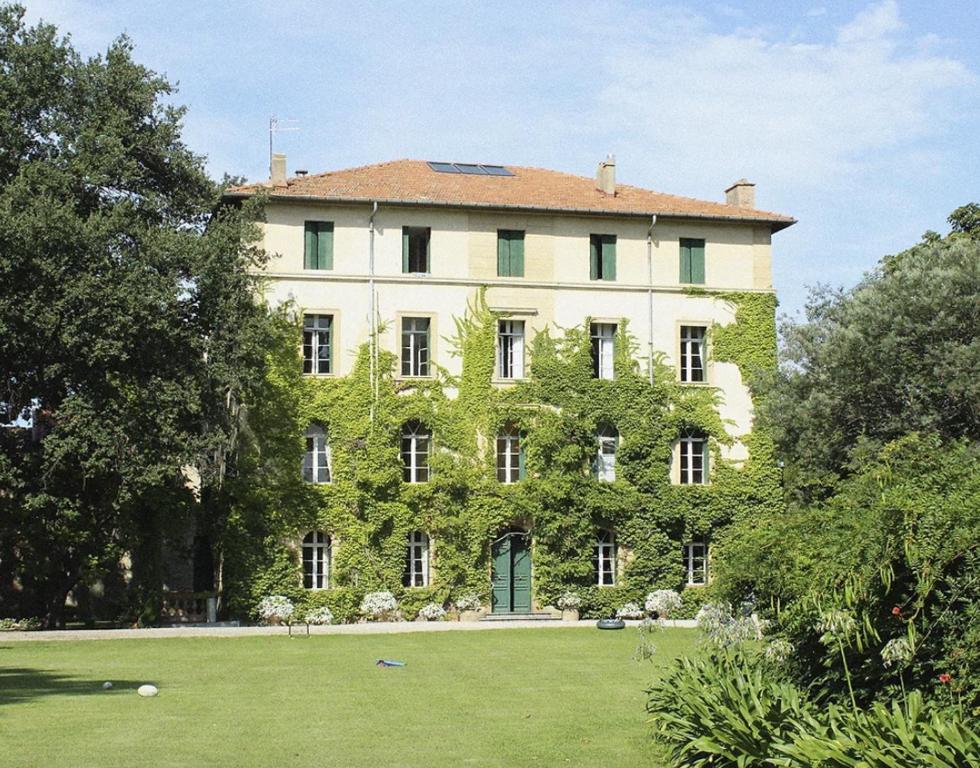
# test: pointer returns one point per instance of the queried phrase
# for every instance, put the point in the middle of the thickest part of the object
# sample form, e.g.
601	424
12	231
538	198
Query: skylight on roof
473	169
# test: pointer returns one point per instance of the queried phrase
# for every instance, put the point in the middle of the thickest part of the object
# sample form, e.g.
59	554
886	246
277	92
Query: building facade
554	368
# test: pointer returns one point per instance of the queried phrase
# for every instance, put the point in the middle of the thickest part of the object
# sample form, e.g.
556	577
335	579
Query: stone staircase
534	616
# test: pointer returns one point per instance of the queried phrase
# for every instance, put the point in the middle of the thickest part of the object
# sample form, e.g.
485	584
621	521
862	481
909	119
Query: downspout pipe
653	223
374	310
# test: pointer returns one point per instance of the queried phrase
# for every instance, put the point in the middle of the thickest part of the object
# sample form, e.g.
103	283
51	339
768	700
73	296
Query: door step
537	616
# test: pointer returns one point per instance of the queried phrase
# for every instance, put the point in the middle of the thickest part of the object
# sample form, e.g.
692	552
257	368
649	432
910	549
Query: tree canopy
896	354
131	338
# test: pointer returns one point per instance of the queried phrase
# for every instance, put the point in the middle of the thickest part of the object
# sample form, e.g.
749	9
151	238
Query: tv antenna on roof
279	125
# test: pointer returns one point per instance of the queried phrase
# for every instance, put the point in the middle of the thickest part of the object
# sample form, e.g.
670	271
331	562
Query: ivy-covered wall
368	509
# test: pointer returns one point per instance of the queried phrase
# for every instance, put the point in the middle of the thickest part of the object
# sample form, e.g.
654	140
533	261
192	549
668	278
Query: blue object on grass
387	663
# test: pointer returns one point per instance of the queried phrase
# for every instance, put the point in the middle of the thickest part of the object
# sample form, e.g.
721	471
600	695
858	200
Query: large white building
417	241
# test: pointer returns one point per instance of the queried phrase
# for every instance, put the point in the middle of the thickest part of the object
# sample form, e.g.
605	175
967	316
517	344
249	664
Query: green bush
885	737
603	602
691	601
723	710
344	603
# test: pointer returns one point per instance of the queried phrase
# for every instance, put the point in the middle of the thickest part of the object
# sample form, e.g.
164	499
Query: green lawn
499	698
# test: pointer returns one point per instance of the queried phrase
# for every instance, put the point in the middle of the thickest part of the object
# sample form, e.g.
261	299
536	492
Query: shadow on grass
19	684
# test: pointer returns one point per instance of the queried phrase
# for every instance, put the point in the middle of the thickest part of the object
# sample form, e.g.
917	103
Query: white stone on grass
147	690
106	685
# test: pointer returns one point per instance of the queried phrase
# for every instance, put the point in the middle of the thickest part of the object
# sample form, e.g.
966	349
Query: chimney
741	194
605	176
278	170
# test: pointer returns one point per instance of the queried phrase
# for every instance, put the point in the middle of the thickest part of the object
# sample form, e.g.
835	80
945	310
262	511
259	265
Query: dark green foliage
896	354
130	340
369	510
723	710
737	710
901	533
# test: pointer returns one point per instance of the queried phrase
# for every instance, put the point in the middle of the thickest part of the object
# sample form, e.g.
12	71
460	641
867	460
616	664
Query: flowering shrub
722	629
778	650
569	601
431	612
897	651
468	602
379	605
319	616
275	609
20	625
631	611
662	602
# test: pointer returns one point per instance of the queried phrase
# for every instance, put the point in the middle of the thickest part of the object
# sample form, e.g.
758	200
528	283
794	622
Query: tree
131	340
896	354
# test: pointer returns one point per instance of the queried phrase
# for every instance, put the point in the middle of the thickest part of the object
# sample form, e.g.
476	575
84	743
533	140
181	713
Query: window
694	458
692	353
316	560
415	250
603	340
416	442
604	559
510	455
510	349
318	251
510	253
316	461
605	464
415	346
416	560
692	261
317	343
696	562
602	257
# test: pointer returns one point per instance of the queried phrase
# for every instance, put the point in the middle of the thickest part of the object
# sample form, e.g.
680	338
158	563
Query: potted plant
275	609
468	606
569	603
431	612
663	602
379	606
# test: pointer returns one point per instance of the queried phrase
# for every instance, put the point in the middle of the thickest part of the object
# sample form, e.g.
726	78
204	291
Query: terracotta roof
413	182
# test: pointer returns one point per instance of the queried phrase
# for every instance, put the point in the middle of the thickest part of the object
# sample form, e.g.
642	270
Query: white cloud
787	112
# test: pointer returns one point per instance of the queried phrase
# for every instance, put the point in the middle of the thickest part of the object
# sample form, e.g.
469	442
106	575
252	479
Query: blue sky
861	119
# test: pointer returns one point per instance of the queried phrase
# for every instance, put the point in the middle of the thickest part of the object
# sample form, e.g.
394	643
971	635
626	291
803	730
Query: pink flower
945	678
896	611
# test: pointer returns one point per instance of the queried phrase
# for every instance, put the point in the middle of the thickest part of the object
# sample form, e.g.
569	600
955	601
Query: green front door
511	555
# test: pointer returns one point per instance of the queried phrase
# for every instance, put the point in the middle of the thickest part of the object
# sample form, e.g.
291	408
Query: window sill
409	378
417	274
496	380
694	383
321	375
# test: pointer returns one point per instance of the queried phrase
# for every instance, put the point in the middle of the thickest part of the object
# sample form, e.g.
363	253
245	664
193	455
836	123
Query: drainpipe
653	222
374	312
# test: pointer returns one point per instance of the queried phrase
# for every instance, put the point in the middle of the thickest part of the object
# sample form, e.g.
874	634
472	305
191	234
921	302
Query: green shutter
517	254
324	245
608	257
503	254
685	273
404	249
593	257
697	261
521	468
309	250
692	261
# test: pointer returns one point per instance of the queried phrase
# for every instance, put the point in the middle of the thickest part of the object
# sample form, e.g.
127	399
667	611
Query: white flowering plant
723	629
432	612
275	609
569	601
631	611
379	605
663	602
319	616
778	650
468	602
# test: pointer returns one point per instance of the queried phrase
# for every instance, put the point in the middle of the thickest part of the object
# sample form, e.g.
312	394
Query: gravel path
378	628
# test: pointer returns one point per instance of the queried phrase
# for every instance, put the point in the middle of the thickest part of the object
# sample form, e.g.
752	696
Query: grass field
568	697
